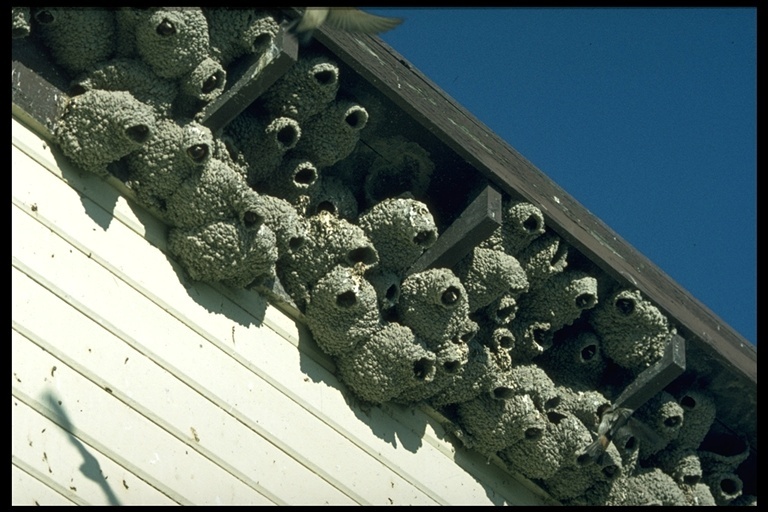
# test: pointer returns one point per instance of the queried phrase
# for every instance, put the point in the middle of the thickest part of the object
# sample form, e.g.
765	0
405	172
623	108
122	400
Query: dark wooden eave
723	355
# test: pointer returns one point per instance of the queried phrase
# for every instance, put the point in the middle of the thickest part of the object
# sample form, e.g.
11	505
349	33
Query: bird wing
622	417
312	18
351	19
596	449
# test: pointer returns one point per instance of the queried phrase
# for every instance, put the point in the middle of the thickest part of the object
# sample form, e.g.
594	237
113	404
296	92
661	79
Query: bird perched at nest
611	421
348	19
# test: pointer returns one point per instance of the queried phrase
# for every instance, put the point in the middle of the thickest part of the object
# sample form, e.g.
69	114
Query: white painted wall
134	385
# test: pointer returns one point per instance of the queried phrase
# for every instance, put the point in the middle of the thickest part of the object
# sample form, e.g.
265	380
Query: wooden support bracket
250	80
474	225
657	377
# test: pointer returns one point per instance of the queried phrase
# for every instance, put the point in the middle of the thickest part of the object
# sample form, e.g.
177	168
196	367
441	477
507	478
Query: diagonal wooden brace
655	378
250	80
474	225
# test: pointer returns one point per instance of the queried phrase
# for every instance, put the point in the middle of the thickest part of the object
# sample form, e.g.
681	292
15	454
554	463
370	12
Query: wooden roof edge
497	161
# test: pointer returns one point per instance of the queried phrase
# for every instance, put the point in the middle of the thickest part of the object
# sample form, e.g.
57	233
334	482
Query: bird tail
595	450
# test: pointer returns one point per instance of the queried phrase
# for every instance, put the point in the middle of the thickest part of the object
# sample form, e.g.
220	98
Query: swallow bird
348	19
611	421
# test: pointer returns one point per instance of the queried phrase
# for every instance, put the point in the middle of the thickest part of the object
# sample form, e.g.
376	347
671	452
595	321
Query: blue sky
646	116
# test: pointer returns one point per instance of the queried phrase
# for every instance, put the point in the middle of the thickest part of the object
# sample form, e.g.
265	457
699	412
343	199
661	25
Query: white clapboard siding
47	451
29	488
133	384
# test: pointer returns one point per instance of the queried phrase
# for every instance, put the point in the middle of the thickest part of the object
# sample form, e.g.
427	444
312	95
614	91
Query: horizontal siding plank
27	487
109	426
76	472
110	363
190	357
